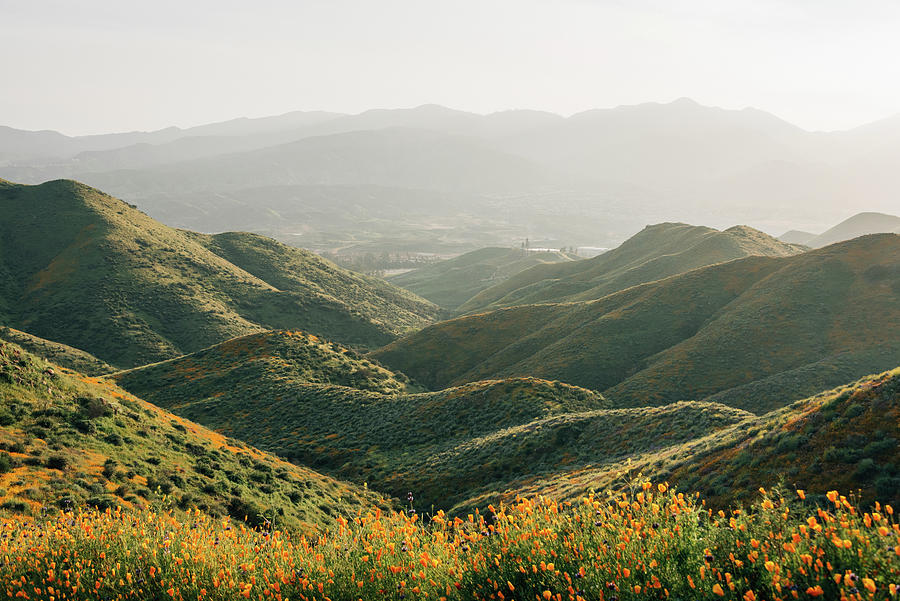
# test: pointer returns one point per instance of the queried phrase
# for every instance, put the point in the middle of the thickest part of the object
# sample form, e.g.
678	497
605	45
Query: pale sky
96	66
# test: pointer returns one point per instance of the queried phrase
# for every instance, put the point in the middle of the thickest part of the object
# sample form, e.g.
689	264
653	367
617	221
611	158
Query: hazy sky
110	65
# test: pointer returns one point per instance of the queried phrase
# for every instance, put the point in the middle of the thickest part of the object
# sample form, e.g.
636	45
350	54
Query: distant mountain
399	157
675	143
67	440
786	326
858	225
77	156
451	283
85	269
796	237
605	172
22	145
656	252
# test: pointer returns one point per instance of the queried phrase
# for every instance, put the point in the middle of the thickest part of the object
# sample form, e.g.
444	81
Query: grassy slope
451	283
842	438
595	344
360	434
846	438
693	336
838	304
68	438
391	309
656	252
57	353
247	365
519	455
286	393
88	270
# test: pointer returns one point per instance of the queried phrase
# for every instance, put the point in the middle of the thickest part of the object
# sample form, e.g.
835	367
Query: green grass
87	270
57	353
358	434
816	319
846	437
256	365
657	252
68	440
451	283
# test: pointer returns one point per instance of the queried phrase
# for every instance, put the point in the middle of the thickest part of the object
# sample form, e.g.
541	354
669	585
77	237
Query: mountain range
600	170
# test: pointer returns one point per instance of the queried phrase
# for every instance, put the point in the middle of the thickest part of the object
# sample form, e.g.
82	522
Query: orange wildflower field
650	543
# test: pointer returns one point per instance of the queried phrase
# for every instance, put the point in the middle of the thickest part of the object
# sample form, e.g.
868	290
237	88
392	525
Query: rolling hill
70	440
82	268
656	252
845	438
451	283
466	446
58	353
248	365
320	406
858	225
782	327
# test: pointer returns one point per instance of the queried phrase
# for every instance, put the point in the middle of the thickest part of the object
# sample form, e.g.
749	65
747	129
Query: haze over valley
436	180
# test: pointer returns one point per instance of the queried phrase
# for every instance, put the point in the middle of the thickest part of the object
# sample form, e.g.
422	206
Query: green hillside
390	309
273	391
249	364
813	320
847	438
55	352
520	455
358	434
844	438
451	283
85	269
67	440
656	252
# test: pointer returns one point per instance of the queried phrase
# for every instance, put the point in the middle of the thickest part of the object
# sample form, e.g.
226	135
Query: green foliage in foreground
651	543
